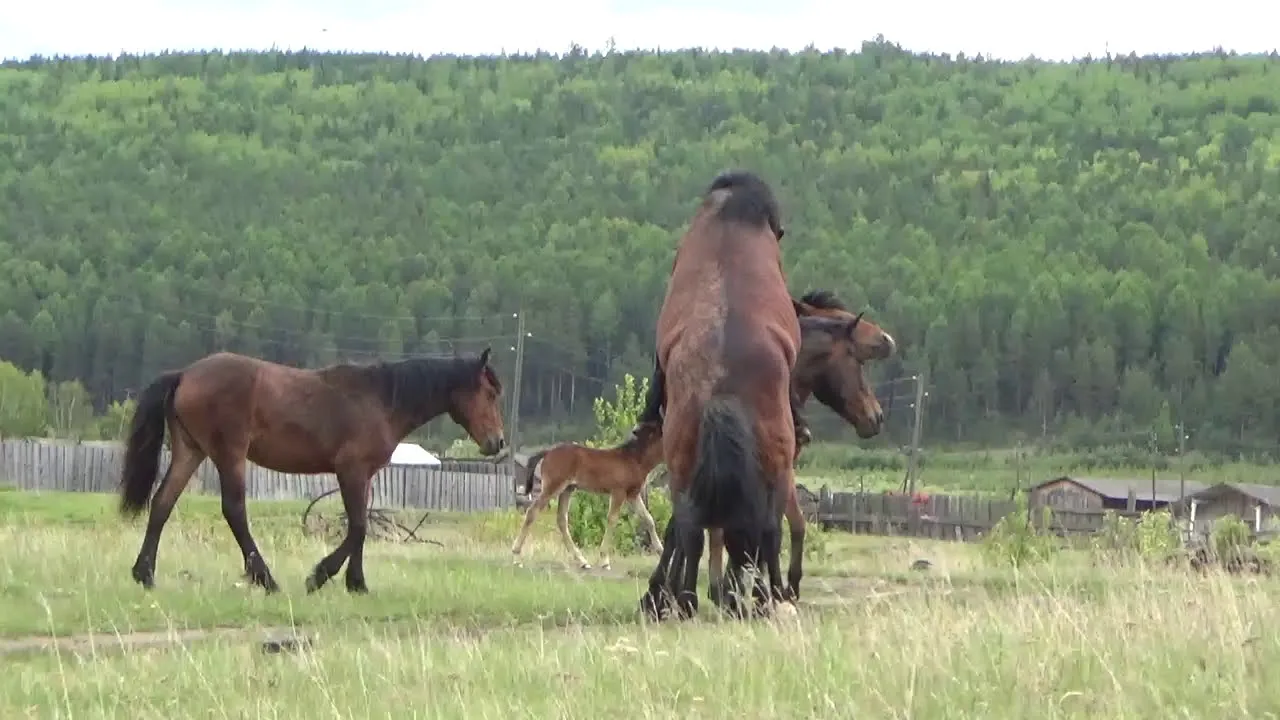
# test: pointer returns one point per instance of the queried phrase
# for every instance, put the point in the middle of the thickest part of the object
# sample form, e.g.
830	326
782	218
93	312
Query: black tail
146	437
727	488
534	459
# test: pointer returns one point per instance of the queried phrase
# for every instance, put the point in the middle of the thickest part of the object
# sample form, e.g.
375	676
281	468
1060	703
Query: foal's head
645	442
834	347
476	405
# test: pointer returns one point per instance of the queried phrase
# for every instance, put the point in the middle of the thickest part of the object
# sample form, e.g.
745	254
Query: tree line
1083	247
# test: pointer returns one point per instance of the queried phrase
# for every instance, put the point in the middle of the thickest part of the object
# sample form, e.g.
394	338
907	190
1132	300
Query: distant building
1088	493
1255	504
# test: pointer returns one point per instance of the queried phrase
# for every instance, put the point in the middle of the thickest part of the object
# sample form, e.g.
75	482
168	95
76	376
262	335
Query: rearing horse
727	342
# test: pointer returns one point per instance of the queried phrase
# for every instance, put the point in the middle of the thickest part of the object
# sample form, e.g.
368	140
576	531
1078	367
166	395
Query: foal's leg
231	475
615	506
353	484
539	504
637	506
186	458
562	522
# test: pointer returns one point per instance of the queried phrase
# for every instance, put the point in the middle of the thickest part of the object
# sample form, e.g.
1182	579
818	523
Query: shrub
1016	541
1153	535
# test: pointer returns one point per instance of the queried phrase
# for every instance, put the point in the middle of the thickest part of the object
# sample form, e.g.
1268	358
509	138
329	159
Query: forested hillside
1060	245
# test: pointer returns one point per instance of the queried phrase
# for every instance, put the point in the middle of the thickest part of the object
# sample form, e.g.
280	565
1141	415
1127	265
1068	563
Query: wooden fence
461	485
943	517
478	485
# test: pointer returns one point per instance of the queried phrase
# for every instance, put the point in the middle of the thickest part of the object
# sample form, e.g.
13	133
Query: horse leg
736	601
655	602
803	435
646	519
715	567
796	522
186	458
691	536
562	523
539	504
353	485
231	476
615	507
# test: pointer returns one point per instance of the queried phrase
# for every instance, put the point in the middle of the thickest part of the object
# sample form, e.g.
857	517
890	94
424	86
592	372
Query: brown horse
344	419
619	472
727	341
830	367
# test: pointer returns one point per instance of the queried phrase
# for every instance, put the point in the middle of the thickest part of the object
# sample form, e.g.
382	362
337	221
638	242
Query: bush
588	512
1015	541
1229	539
1153	535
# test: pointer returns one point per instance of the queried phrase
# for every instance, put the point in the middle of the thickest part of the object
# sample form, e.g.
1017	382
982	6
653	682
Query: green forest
1086	250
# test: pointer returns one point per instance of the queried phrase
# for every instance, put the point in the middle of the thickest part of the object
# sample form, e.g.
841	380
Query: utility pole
1182	465
1154	450
515	390
913	461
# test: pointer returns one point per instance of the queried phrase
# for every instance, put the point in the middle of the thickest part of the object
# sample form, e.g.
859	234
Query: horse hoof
271	587
314	583
586	566
359	589
652	608
687	606
605	566
144	578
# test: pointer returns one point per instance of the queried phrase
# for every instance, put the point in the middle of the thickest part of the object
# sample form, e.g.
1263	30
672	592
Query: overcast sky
1008	29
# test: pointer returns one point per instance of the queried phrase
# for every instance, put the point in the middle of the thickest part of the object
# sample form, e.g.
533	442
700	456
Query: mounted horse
834	347
619	472
727	341
344	419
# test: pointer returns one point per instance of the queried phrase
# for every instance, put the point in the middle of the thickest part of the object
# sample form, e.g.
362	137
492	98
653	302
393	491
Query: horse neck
409	405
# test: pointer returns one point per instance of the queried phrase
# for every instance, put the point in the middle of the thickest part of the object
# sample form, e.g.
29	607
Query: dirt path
90	643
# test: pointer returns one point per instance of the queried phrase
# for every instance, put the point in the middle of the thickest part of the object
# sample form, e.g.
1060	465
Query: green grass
459	632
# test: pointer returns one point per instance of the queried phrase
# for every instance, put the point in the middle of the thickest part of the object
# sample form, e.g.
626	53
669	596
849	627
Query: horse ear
484	357
851	327
803	309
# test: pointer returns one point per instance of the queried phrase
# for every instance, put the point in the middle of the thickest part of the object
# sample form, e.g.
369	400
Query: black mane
420	386
750	200
823	300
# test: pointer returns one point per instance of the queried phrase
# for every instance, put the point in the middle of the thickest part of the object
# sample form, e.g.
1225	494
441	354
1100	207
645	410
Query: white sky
1008	29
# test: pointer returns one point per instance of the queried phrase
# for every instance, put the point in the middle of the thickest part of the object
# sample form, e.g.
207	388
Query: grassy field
459	632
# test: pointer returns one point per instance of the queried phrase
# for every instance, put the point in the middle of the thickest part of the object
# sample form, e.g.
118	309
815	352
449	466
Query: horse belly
288	454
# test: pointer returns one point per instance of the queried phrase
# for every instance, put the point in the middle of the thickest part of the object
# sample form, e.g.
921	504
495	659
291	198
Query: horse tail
146	438
727	487
534	459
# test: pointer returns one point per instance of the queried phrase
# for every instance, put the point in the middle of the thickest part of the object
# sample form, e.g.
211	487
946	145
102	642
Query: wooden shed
1089	493
1256	505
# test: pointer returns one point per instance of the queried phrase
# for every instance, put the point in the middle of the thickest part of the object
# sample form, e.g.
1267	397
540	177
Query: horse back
286	418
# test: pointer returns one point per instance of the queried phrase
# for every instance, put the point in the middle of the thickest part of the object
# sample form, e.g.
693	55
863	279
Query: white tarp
413	454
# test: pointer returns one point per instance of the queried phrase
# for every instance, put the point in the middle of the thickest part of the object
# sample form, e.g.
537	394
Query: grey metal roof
1266	494
1167	490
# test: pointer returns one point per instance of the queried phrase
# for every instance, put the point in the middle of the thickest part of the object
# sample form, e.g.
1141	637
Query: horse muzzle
493	445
